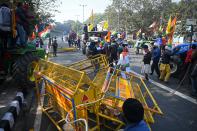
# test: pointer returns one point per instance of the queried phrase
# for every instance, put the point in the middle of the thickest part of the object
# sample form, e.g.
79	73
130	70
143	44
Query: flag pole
92	19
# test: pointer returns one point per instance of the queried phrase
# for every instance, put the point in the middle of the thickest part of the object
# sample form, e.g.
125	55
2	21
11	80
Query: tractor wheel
22	70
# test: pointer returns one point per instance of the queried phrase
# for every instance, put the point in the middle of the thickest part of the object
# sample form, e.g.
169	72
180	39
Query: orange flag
173	25
108	37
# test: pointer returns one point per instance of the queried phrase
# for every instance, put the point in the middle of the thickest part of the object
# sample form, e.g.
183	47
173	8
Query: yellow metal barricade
70	93
65	89
91	64
119	90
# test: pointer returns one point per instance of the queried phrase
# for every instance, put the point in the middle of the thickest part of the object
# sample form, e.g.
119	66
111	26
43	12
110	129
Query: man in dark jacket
5	25
113	52
193	75
146	69
165	64
85	28
55	45
21	21
155	57
134	114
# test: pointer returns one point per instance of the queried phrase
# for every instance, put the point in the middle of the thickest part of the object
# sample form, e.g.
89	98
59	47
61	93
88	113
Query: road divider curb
9	118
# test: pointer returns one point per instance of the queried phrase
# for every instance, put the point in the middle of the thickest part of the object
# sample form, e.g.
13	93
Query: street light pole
83	11
77	23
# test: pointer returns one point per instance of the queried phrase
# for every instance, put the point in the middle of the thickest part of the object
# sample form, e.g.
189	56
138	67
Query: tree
68	26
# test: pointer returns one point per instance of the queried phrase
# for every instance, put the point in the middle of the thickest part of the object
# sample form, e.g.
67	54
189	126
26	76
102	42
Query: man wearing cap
155	57
165	64
113	52
146	69
134	114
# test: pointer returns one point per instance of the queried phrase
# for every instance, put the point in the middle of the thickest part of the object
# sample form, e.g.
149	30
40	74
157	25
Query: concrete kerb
70	49
9	118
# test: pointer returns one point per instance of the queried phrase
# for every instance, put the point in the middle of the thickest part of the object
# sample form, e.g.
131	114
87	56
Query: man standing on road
146	69
193	75
155	57
113	52
165	64
186	68
79	42
55	45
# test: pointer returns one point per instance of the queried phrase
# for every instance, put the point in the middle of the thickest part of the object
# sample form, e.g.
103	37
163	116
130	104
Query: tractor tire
21	71
175	69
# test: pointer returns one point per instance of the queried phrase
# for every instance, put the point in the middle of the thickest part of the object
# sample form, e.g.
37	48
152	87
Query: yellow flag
168	28
90	27
138	33
106	25
92	17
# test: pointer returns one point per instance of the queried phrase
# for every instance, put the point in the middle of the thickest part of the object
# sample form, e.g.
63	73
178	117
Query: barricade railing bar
71	94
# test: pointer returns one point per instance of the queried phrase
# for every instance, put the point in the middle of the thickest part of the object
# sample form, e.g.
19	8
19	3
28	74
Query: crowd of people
157	57
53	44
74	40
161	57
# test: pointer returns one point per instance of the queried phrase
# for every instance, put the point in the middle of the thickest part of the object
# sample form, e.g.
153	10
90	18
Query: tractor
17	62
20	63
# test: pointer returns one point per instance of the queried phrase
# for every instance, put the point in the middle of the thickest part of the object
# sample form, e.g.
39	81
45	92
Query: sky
69	9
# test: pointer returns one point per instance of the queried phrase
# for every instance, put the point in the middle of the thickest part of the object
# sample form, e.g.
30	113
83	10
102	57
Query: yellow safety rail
89	65
65	89
121	89
70	93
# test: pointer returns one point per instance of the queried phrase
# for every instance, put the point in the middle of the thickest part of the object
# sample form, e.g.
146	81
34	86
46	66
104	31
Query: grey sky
70	8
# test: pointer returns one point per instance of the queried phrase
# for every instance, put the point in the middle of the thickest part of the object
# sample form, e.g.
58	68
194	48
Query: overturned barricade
74	100
91	65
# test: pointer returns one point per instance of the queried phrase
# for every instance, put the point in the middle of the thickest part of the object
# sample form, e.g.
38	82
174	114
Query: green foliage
67	26
136	14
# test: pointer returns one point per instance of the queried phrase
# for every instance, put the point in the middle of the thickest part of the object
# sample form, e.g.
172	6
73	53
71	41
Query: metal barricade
65	89
71	95
91	64
123	85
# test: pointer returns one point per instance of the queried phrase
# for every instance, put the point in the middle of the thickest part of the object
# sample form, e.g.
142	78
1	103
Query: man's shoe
166	81
146	77
193	94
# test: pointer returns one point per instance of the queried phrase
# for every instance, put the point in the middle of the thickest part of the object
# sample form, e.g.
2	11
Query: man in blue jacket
134	114
156	54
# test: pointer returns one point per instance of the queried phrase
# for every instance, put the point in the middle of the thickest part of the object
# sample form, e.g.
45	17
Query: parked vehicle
93	38
179	54
140	43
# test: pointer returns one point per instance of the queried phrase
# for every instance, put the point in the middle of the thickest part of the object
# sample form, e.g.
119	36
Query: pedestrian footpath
9	118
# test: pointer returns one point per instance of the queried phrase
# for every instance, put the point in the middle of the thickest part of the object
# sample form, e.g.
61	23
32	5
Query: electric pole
77	22
83	11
